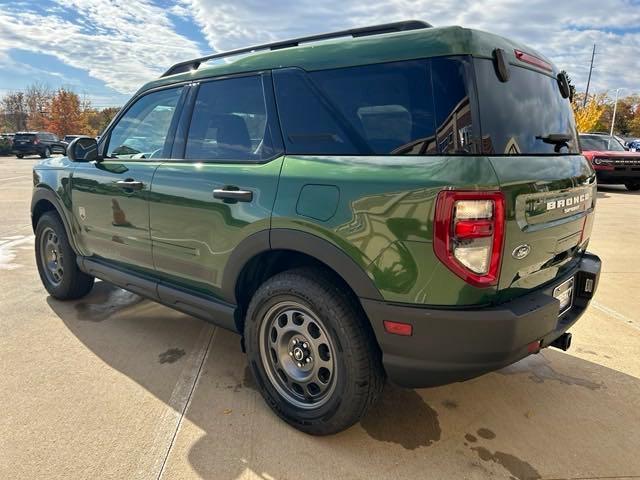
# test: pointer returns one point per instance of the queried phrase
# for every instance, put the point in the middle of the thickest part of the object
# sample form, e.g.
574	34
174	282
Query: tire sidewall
50	220
343	388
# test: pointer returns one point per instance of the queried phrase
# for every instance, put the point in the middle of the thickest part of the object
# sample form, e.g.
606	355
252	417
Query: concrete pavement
114	386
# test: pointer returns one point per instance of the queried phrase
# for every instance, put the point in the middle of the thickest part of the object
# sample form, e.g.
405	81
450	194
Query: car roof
380	48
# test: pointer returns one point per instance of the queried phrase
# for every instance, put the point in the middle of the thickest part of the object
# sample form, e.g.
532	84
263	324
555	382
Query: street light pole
615	107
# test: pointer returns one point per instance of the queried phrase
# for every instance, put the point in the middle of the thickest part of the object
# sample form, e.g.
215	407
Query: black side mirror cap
83	149
501	64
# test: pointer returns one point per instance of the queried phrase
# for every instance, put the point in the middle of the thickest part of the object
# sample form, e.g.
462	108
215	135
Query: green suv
393	201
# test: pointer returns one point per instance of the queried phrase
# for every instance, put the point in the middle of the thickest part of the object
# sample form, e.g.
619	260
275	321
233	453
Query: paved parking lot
113	386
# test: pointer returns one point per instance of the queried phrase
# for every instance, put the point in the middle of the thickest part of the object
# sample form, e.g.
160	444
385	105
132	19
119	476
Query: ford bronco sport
409	202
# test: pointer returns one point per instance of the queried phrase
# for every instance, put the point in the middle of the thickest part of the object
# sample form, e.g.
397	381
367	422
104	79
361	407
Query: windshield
525	115
600	143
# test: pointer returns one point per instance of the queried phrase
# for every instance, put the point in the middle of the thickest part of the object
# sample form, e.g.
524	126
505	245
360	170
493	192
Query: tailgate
549	215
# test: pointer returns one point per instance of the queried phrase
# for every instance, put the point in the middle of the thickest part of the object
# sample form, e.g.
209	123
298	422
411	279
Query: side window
384	109
457	132
142	131
230	122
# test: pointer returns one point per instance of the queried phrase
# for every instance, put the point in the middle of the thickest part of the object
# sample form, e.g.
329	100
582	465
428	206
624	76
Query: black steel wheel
56	260
632	186
298	354
312	351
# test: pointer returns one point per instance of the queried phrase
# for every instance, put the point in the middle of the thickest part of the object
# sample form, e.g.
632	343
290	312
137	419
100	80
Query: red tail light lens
532	60
469	234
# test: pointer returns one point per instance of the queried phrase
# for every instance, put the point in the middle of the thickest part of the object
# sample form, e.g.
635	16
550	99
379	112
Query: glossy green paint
194	234
114	222
384	217
347	52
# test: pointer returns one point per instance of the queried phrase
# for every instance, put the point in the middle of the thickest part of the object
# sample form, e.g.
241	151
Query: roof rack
352	32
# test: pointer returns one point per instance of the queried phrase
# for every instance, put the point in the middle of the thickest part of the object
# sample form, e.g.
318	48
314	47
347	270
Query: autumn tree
66	115
38	103
14	112
587	117
97	120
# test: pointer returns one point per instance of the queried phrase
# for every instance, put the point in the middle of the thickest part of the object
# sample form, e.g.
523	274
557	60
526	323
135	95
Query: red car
612	163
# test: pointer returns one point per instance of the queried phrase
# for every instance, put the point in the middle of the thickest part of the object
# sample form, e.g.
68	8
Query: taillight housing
469	234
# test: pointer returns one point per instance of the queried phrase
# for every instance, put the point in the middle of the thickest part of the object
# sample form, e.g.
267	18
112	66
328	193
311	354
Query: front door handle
130	184
233	194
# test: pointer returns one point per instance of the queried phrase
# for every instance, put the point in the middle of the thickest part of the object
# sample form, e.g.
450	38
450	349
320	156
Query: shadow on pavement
551	415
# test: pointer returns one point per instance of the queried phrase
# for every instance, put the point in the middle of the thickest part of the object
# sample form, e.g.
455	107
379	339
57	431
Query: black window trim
103	144
273	122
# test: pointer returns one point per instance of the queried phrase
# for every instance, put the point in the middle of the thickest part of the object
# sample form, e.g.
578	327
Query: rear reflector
534	347
532	60
398	328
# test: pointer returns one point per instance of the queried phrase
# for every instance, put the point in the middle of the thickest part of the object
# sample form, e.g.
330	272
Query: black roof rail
294	42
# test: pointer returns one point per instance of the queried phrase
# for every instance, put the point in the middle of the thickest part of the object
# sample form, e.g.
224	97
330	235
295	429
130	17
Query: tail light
36	140
469	234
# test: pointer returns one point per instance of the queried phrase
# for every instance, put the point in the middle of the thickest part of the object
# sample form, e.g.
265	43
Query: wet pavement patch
516	467
403	417
540	370
486	433
172	355
104	301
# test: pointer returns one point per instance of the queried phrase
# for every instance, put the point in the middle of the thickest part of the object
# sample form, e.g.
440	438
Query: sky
106	49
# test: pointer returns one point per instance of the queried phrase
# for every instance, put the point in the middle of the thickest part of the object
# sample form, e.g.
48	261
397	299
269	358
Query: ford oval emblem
521	251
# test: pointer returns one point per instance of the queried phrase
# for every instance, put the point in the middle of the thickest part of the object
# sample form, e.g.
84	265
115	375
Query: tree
587	117
38	102
14	112
97	120
66	115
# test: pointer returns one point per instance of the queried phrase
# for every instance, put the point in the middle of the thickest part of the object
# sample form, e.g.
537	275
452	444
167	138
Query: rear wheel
46	153
313	355
19	155
632	186
56	261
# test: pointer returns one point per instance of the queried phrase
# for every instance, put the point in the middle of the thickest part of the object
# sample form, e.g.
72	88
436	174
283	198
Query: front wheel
632	186
56	261
311	351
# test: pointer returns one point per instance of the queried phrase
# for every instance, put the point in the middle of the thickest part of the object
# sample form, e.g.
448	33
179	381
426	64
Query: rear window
400	108
24	136
600	142
517	115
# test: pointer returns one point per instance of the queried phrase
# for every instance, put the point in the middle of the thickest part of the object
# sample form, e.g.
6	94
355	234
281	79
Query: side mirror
83	149
565	89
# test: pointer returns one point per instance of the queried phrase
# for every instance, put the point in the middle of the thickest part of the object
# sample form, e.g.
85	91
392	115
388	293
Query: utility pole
615	107
586	93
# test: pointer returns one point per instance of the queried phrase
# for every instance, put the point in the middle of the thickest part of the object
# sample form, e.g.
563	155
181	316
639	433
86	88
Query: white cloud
124	43
128	42
564	31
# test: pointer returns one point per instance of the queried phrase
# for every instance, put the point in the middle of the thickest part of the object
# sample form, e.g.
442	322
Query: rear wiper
558	139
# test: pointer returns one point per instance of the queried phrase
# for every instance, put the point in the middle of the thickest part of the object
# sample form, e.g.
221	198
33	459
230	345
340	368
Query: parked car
612	162
356	208
68	138
37	143
6	140
634	145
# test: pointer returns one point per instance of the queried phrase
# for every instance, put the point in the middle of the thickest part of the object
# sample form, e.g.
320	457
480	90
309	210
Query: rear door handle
130	184
233	194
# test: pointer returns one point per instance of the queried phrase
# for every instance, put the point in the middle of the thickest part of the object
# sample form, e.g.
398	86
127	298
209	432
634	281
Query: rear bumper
451	345
25	150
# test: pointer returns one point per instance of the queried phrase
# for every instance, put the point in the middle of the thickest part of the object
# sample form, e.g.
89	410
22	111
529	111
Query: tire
19	155
46	153
343	376
56	261
632	186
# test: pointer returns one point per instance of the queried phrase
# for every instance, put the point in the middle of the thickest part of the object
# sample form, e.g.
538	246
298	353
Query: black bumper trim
455	345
